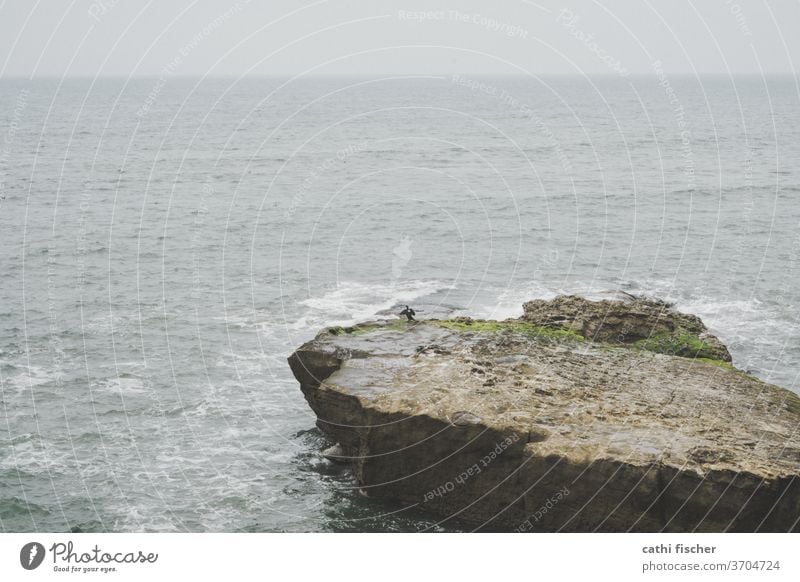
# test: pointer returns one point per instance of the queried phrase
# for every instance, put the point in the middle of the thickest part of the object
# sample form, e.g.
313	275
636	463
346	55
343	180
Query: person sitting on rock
409	313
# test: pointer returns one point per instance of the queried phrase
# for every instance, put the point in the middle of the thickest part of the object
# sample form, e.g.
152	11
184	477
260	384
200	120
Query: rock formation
579	416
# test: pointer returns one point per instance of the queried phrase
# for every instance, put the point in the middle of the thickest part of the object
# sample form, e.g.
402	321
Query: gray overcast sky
226	37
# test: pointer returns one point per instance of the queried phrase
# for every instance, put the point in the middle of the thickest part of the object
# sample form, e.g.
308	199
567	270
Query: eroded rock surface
563	420
653	324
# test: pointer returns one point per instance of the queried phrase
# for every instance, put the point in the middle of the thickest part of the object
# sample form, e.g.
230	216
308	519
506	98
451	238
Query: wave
125	385
744	320
28	377
352	302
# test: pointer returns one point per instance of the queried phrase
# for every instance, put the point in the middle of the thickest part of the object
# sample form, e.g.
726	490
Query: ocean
167	243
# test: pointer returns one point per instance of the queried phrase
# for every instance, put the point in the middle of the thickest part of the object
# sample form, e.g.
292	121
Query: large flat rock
528	425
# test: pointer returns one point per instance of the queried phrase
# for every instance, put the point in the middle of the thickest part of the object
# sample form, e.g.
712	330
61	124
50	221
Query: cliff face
562	420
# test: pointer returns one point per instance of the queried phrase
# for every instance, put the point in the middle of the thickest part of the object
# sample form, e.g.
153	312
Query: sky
89	38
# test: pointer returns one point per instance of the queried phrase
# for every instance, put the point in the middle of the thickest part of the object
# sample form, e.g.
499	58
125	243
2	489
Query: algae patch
792	402
367	328
679	343
519	327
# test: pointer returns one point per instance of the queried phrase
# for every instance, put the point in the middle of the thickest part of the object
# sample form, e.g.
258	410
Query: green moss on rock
719	364
520	327
679	343
792	402
367	328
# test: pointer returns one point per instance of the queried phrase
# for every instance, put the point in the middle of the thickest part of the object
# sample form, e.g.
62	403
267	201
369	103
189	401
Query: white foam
351	302
121	385
28	378
32	457
508	302
749	321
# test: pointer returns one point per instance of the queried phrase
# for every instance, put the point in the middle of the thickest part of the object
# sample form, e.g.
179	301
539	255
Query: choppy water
166	244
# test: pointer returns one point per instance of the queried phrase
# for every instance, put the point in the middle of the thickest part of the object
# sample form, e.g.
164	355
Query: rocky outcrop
653	325
580	416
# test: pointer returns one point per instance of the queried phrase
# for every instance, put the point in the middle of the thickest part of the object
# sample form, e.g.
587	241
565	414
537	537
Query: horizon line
18	77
